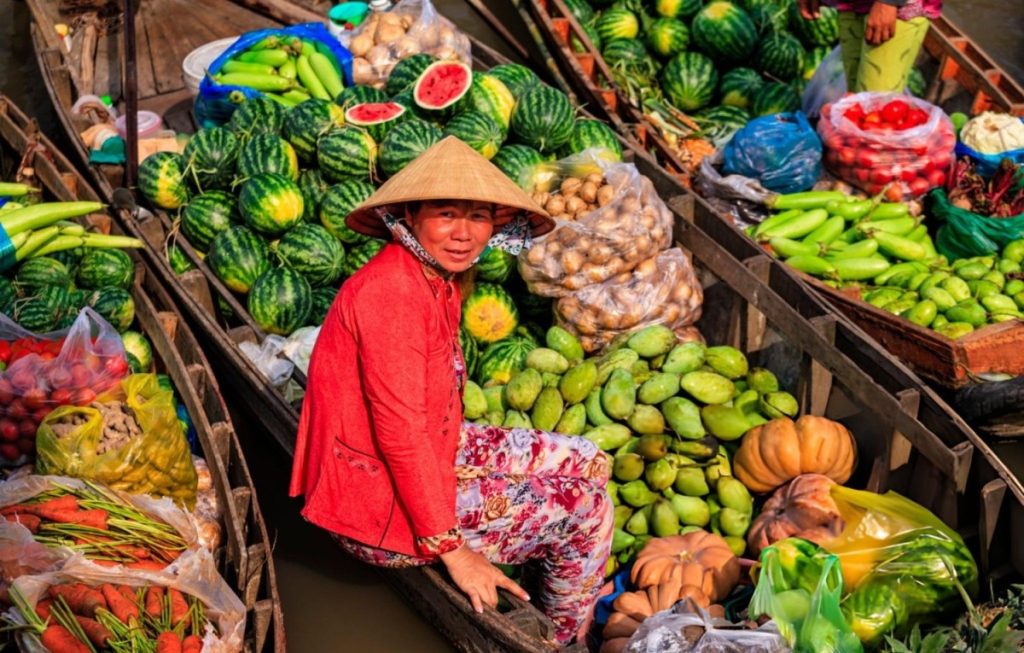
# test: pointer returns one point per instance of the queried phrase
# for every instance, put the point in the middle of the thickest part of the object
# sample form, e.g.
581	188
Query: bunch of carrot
100	524
77	618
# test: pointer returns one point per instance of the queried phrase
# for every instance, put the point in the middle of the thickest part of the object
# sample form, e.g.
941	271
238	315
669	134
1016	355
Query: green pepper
815	199
776	219
827	232
850	211
888	211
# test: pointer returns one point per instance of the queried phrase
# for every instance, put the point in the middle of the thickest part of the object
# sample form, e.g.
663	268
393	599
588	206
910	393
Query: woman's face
454	232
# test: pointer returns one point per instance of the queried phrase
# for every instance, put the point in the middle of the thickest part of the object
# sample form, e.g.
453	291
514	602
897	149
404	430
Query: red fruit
34	399
59	376
908	175
862	175
941	160
81	377
881	176
895	111
5	350
854	114
116	366
28	428
53	346
6	392
16	410
916	117
41	414
23	379
9	452
83	397
847	156
27	446
894	193
868	158
93	362
936	178
872	120
8	430
919	186
60	397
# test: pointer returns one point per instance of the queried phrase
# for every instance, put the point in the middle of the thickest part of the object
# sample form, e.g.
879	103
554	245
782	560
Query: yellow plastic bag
157	462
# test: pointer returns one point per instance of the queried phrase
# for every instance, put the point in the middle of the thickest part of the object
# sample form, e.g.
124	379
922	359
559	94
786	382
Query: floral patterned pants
530	496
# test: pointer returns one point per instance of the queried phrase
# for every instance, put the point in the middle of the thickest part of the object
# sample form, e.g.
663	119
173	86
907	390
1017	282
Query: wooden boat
245	557
919	447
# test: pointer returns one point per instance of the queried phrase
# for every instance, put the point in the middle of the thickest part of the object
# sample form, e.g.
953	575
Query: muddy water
332	604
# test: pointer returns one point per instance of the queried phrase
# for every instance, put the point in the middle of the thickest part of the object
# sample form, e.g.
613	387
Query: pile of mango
660	409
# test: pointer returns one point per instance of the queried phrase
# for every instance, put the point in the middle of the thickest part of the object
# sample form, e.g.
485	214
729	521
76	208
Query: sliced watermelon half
373	113
442	84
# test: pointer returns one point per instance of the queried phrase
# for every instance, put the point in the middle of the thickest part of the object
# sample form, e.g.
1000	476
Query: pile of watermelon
263	199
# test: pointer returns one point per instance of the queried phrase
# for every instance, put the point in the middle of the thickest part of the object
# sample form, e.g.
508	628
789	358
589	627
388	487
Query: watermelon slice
442	84
373	113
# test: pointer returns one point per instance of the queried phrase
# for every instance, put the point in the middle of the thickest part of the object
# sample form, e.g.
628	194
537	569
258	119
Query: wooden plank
143	50
283	11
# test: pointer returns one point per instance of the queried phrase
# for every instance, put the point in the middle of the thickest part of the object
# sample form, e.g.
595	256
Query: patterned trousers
530	496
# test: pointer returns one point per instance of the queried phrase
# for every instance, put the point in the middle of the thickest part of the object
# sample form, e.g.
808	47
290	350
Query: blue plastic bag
216	102
781	151
987	164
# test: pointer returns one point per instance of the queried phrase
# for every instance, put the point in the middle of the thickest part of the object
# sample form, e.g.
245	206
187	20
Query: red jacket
380	424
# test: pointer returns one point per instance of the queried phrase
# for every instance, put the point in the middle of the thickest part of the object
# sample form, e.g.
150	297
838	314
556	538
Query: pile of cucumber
287	69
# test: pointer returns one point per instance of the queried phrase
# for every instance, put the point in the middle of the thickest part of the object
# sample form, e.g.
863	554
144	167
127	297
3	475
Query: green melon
280	301
259	115
271	204
162	180
178	260
347	153
739	86
517	78
268	153
491	97
360	255
338	201
775	97
238	257
106	267
822	31
210	156
41	271
813	59
313	252
543	119
406	142
616	23
470	351
323	298
476	130
667	37
405	73
723	31
313	186
306	123
495	265
577	44
500	360
722	122
137	345
768	18
581	9
489	314
916	83
8	295
115	305
628	55
780	56
360	94
588	133
515	159
690	80
207	215
681	9
36	315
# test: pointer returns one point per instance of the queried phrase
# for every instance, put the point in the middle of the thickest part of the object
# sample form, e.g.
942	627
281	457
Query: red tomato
83	397
27	445
847	156
872	120
894	193
895	111
54	346
23	379
41	414
881	176
34	399
854	114
116	366
862	175
93	362
60	397
58	376
908	175
5	350
9	452
941	160
919	186
28	427
16	410
936	178
916	117
868	158
6	392
8	430
81	377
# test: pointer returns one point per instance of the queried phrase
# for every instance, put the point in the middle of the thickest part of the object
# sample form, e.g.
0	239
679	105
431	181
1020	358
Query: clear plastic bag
208	511
661	290
154	458
827	85
265	356
781	151
299	347
630	226
910	161
741	198
408	28
194	575
67	367
674	631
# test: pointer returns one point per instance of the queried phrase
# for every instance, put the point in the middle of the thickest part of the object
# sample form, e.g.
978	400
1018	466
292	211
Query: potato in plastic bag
673	631
155	461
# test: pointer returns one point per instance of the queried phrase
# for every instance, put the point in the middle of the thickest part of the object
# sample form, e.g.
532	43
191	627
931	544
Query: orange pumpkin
775	453
804	507
632	608
698	559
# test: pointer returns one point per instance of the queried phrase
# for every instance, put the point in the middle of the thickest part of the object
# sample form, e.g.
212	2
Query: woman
880	39
383	457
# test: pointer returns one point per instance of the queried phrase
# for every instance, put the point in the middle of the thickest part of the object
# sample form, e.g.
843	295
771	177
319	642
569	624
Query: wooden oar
538	40
499	27
131	97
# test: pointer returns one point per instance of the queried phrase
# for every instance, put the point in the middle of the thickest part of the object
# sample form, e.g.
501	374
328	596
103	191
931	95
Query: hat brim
369	221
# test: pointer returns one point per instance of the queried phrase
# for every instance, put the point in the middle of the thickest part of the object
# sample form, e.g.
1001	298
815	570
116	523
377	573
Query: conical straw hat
449	170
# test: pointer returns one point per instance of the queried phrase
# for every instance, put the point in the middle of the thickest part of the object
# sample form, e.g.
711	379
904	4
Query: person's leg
378	557
886	67
851	42
488	450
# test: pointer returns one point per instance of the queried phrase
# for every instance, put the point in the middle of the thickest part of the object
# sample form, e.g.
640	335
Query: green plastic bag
799	587
965	234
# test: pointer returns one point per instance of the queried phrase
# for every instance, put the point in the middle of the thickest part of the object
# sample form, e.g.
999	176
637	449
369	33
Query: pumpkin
632	608
699	559
775	453
804	507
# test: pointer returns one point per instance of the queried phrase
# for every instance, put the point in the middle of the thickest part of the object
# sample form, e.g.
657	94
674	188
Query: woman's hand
881	23
809	9
478	578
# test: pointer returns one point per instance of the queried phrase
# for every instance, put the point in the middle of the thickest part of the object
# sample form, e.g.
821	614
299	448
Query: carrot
43	608
192	644
151	565
168	642
130	551
122	608
96	518
179	607
105	563
129	593
58	639
95	631
28	520
154	601
81	598
66	502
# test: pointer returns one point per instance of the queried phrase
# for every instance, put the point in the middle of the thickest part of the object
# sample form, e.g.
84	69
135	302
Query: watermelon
517	78
822	31
8	295
406	72
780	56
69	257
280	301
681	9
470	351
500	360
210	156
725	120
615	24
179	262
360	255
56	297
207	215
41	271
360	94
813	59
347	153
339	200
495	265
768	18
491	97
271	204
268	153
916	83
306	123
514	159
577	44
136	344
406	142
322	300
106	267
377	118
689	79
588	133
583	12
489	314
442	85
36	315
543	119
738	87
405	99
313	252
115	305
775	97
313	186
162	180
259	115
238	256
667	37
723	31
629	54
476	130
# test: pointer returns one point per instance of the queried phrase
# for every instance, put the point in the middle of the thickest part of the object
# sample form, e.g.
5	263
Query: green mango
999	304
637	524
547	410
1006	266
727	361
515	419
658	388
955	330
747	402
628	467
622	515
707	387
630	446
652	341
719	468
618	396
609	436
740	386
971	271
1014	251
664	521
621	540
1013	286
683	417
691	482
762	380
639	368
779	404
703	449
725	422
738	545
474	403
658	361
595	414
653	447
564	343
684	358
933	281
620	359
495	396
613	492
573	420
733	494
733	522
995	277
1018	299
646	419
659	475
956	287
691	511
637	494
547	360
578	381
550	380
523	389
690	529
982	288
495	417
940	320
969	311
